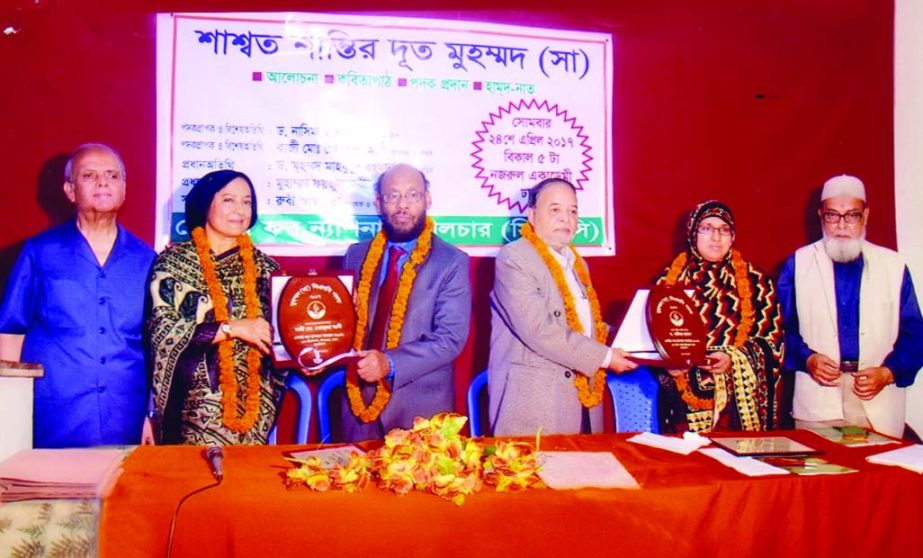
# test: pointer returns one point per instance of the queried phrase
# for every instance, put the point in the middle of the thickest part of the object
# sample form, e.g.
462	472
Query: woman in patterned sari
208	326
739	388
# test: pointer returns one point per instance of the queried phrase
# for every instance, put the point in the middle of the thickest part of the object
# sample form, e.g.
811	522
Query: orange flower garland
228	379
682	381
588	398
396	321
744	294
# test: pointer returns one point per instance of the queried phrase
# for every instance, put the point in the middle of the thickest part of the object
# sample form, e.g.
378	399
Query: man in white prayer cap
853	330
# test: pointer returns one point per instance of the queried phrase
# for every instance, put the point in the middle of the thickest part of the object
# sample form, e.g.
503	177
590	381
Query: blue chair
336	380
478	384
295	382
634	400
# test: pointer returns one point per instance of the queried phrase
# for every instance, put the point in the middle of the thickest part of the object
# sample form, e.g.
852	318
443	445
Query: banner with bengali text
313	107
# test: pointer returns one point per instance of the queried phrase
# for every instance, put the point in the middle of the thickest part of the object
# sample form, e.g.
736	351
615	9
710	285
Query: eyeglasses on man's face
832	217
708	230
392	198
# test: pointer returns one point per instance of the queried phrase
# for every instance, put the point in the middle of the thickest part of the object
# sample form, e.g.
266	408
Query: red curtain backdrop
754	103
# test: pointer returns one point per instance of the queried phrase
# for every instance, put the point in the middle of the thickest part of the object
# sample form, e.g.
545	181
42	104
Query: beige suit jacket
533	353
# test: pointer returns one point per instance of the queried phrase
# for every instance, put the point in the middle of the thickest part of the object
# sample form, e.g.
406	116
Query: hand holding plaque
663	328
316	322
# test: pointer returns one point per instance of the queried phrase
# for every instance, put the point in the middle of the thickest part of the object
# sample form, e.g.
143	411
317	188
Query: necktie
385	300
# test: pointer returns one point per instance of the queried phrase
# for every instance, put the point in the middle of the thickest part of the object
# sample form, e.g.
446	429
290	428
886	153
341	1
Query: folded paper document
59	473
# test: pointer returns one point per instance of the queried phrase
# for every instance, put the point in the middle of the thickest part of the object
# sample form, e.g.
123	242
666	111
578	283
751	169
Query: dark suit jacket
435	331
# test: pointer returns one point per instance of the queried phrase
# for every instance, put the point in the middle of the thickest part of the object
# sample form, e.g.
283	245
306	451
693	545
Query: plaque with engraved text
316	322
676	328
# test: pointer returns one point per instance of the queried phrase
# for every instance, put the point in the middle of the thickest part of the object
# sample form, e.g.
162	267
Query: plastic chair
634	400
478	384
295	382
335	380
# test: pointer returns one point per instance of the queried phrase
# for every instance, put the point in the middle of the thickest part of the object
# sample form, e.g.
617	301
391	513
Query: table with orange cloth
687	506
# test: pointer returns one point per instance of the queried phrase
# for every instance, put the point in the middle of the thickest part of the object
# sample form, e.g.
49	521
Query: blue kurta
83	322
906	357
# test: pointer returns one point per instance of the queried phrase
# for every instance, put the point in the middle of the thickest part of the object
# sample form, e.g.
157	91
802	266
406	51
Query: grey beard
843	250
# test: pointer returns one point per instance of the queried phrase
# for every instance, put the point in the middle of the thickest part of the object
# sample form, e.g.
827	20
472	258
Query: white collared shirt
578	292
581	301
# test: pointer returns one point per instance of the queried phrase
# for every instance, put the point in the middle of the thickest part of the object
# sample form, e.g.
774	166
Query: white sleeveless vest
879	320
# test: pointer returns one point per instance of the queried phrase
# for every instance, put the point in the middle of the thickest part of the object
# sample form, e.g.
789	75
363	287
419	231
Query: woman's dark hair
199	199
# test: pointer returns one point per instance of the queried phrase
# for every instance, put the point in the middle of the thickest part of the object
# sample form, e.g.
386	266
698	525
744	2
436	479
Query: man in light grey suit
535	355
419	369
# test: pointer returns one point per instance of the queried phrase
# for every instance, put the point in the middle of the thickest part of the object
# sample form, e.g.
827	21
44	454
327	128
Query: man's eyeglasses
832	217
392	198
708	230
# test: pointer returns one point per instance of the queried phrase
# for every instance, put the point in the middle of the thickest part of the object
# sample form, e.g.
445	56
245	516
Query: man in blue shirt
74	302
854	333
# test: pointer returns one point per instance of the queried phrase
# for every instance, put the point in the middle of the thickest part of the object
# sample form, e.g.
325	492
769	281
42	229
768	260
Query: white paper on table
910	457
684	445
744	465
564	470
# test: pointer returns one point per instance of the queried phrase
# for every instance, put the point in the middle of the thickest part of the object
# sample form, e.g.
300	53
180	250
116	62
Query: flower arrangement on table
433	457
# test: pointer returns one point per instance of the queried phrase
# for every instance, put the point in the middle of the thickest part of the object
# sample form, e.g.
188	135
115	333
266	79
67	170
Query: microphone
214	455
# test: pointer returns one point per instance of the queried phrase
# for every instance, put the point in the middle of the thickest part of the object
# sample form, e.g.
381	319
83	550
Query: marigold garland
744	294
395	323
588	398
691	399
228	376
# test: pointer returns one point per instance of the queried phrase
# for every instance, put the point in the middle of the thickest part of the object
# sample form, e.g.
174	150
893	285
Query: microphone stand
181	502
176	514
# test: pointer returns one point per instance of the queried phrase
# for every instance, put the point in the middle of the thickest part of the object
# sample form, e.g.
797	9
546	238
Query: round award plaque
676	327
317	320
